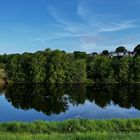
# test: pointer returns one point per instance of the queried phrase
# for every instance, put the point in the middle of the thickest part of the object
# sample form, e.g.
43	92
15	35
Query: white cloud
83	9
102	22
91	22
87	32
117	26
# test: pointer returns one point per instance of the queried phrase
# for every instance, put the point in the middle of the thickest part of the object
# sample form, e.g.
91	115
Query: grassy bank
72	130
73	126
79	136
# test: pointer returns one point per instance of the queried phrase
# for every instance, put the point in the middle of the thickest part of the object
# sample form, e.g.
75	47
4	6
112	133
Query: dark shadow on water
54	99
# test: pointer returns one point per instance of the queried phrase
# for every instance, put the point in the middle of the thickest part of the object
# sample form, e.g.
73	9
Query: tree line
78	67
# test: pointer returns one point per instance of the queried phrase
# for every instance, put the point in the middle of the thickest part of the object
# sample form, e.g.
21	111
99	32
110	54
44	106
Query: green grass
125	129
94	136
73	126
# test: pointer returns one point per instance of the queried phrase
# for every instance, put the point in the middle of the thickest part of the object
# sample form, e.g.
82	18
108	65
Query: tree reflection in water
54	99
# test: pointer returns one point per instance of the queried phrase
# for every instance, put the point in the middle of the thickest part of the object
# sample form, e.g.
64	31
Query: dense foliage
60	67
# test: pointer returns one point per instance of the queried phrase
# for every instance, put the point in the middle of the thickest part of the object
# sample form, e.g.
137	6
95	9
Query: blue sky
85	25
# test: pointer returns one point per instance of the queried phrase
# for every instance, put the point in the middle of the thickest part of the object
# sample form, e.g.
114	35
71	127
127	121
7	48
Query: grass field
73	126
126	129
88	136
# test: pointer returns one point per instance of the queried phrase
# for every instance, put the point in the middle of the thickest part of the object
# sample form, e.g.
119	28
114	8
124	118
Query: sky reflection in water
29	102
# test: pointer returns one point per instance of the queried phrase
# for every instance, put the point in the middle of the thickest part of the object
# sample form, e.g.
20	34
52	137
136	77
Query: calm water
27	102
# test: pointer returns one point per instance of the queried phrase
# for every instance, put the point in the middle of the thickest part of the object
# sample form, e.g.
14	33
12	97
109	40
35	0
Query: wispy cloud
95	21
91	21
78	24
65	25
117	26
88	32
124	41
83	9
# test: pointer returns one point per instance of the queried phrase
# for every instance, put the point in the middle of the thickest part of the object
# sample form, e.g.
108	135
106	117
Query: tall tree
14	68
56	66
80	55
137	69
121	69
100	70
76	71
137	49
105	52
121	49
38	72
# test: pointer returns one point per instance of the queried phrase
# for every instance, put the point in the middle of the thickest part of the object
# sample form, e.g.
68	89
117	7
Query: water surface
29	102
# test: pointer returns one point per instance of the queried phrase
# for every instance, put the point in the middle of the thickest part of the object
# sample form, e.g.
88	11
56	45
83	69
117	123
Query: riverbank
78	136
126	129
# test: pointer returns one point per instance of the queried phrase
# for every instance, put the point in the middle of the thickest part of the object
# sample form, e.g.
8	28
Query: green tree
100	70
121	49
14	69
76	71
56	66
26	61
38	71
105	52
121	69
137	49
137	69
80	55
